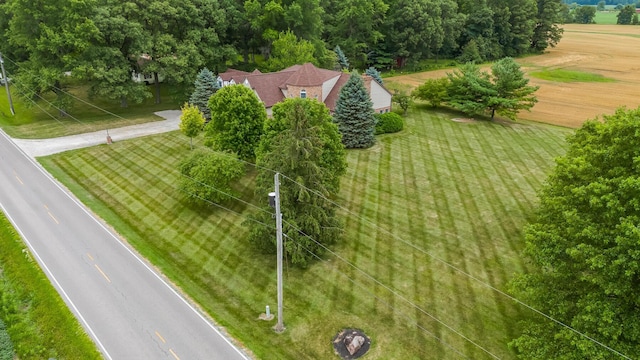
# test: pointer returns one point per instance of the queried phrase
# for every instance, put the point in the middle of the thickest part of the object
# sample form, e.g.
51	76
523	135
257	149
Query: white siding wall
379	96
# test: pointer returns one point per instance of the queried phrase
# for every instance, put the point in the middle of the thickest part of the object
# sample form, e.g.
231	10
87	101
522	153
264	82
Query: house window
303	94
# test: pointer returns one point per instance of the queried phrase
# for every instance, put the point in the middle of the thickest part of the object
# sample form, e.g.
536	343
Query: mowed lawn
439	191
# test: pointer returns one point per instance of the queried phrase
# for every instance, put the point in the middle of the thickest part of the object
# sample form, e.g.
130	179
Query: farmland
610	51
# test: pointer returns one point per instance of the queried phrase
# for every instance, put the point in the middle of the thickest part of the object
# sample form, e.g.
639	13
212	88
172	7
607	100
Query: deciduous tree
434	91
626	14
53	35
357	26
547	31
191	122
288	50
237	119
303	144
207	176
583	246
586	14
355	115
403	100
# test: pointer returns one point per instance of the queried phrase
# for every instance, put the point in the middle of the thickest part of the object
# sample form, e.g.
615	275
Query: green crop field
606	17
421	208
563	75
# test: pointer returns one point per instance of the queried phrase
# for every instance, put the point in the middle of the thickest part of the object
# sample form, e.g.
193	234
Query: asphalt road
125	306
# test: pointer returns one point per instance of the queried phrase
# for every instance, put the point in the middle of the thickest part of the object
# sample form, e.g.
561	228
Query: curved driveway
129	309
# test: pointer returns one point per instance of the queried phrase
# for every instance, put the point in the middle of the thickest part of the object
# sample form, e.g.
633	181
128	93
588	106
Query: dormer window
303	94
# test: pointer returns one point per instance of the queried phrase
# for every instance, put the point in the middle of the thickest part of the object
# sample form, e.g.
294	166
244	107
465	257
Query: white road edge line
84	208
41	262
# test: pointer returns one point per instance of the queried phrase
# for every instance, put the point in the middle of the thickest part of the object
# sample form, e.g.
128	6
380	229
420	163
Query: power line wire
415	247
510	297
393	291
395	309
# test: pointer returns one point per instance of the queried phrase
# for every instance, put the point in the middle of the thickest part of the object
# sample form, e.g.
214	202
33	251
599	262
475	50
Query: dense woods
101	42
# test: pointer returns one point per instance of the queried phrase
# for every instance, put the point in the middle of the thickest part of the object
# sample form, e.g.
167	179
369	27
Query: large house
304	81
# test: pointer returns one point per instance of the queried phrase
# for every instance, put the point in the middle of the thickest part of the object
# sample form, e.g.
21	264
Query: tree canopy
583	246
191	122
303	144
207	176
237	119
102	42
506	91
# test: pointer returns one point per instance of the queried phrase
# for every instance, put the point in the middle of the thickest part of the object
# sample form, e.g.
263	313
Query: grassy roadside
37	320
33	122
460	192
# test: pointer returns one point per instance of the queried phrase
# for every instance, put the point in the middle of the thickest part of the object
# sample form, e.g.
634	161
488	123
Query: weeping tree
303	144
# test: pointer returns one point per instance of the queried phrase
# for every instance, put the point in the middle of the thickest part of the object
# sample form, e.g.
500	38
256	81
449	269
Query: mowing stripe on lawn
462	192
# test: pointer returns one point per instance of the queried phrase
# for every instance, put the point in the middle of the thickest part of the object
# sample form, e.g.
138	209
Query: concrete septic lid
341	340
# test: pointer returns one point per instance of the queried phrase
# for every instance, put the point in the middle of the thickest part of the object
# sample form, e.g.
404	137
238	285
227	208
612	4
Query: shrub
207	176
433	90
389	123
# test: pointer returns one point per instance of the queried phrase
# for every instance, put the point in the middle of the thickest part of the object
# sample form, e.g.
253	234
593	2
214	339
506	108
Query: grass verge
563	75
44	121
459	192
37	320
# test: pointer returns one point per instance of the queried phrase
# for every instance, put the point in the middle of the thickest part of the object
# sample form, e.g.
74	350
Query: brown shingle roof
270	86
332	98
233	74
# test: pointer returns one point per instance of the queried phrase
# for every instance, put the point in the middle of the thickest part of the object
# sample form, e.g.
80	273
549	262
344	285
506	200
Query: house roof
308	75
267	86
233	74
332	98
272	87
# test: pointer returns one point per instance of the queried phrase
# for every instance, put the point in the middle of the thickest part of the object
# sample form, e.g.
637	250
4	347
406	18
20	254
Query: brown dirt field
610	50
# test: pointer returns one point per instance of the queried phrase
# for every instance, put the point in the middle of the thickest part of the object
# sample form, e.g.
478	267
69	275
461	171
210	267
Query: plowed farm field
612	51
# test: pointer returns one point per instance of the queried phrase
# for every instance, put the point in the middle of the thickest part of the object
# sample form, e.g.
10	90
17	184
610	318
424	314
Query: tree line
101	42
579	14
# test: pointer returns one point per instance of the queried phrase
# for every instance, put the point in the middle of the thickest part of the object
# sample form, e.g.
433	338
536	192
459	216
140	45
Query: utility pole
274	201
6	85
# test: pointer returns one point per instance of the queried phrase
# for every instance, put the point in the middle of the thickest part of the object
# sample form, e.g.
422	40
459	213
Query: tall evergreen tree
375	74
301	142
354	114
342	58
205	86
